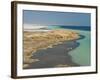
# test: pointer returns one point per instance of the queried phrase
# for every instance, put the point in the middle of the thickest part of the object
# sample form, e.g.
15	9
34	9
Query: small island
39	40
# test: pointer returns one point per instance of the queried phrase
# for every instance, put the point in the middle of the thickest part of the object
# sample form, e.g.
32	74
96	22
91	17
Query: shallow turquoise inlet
82	53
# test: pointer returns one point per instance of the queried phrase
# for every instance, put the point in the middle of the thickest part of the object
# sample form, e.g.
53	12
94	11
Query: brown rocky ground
34	41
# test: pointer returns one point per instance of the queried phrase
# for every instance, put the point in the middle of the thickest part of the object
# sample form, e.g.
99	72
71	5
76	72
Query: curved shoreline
58	56
34	41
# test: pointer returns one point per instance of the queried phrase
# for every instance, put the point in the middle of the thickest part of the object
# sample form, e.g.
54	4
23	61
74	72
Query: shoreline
44	40
58	56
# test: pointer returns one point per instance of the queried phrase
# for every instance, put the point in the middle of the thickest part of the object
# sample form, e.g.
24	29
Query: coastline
43	41
58	56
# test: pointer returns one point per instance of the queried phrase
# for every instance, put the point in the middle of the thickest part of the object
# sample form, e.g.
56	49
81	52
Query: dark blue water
86	28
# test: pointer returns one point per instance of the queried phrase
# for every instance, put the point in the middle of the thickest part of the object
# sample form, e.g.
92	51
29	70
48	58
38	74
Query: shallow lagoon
81	54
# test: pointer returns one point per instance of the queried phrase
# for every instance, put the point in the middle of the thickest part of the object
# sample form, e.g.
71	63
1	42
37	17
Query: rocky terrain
34	41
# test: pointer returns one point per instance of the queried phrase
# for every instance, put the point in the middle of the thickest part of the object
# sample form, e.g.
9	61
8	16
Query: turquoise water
80	55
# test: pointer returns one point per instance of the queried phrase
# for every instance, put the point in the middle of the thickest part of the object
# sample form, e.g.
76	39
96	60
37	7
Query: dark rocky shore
58	56
35	41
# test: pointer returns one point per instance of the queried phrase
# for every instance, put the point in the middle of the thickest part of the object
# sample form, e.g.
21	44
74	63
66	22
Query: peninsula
39	40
